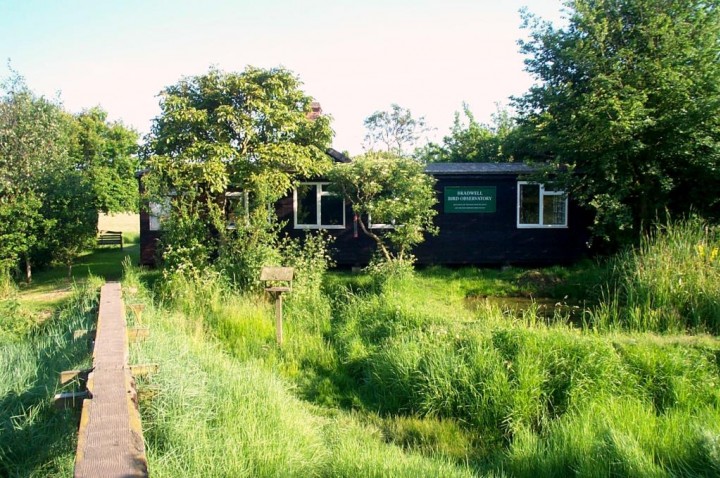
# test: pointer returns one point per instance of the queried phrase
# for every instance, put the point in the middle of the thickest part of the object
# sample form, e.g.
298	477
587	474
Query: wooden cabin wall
148	238
491	238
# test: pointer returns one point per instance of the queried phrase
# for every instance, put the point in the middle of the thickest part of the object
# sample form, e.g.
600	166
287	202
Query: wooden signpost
272	276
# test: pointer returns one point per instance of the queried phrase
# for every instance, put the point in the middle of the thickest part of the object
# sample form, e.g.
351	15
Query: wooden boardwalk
110	441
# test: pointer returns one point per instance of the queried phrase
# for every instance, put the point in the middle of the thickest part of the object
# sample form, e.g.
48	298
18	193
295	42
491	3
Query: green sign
470	199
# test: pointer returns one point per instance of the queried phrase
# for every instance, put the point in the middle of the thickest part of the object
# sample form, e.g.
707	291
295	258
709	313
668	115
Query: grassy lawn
51	287
445	372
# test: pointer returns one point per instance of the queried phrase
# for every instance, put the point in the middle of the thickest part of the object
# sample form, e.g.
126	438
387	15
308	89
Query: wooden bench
110	238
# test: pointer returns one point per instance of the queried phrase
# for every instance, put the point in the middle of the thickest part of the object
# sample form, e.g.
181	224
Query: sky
353	56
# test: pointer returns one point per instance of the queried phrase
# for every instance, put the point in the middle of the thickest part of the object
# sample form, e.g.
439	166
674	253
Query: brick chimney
316	110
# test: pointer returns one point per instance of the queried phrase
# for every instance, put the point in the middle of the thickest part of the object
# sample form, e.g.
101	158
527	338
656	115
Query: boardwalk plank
110	442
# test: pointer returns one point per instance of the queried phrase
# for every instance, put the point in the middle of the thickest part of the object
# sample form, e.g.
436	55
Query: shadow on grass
105	262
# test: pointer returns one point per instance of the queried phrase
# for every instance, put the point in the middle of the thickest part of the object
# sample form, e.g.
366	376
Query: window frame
372	225
245	198
158	212
319	193
542	192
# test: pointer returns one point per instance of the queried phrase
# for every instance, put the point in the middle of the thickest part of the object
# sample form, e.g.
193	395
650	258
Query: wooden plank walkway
110	441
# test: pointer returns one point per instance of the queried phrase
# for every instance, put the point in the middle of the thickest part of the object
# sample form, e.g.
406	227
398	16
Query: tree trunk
376	238
28	270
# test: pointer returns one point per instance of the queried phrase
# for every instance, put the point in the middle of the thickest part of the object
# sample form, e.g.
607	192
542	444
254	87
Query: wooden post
277	274
278	318
137	310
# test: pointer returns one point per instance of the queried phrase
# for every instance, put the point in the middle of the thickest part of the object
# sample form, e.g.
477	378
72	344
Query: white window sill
315	226
541	226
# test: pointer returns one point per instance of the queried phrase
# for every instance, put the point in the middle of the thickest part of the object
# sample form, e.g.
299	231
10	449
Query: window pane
307	204
158	212
236	209
529	204
553	210
331	210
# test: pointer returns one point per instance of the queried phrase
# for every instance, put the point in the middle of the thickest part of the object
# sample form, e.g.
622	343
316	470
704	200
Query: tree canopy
42	193
255	130
107	153
395	131
391	190
470	141
627	100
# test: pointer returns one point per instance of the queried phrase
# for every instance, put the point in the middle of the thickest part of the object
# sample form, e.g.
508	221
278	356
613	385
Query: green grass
420	375
220	410
36	439
50	288
670	283
412	370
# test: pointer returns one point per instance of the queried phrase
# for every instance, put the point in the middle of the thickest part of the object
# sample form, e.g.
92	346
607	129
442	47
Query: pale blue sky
355	57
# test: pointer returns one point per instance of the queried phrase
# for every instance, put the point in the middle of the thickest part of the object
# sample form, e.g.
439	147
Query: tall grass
218	410
538	399
401	377
670	282
36	439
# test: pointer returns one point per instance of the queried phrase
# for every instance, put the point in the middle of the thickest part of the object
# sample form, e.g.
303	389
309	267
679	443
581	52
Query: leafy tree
388	189
48	204
69	207
627	100
470	141
254	130
107	153
34	138
394	131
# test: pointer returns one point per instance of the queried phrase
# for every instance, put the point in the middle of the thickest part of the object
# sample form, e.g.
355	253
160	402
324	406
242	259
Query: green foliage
626	100
387	189
34	138
186	244
310	256
253	130
395	131
35	438
470	141
248	246
20	224
71	207
56	172
107	153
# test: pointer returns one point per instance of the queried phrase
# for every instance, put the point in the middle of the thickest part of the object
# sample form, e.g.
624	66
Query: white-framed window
316	208
382	225
158	212
236	208
538	206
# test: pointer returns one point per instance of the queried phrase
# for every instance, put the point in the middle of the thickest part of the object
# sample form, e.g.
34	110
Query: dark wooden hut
487	214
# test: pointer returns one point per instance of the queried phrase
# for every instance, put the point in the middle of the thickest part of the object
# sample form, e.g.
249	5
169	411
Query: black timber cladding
495	238
491	238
